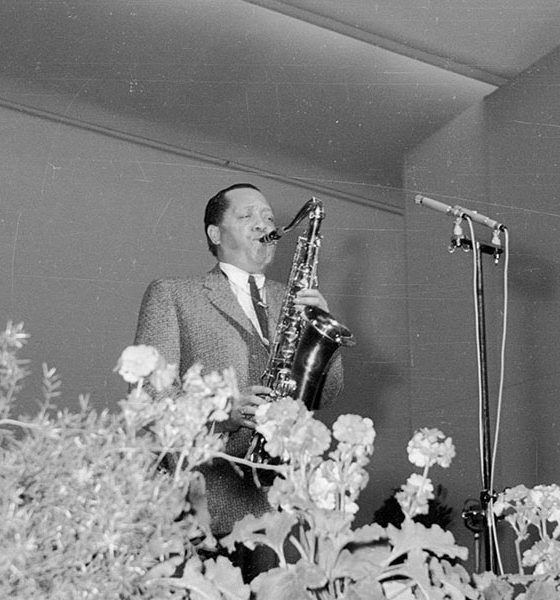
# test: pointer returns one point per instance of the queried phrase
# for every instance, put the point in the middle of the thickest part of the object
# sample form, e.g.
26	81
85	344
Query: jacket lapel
274	300
220	295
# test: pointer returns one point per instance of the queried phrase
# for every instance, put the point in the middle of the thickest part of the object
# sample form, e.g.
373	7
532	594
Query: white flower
415	495
354	429
163	376
544	555
323	488
137	362
430	446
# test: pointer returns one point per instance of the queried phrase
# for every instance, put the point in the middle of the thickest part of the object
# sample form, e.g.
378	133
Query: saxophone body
305	341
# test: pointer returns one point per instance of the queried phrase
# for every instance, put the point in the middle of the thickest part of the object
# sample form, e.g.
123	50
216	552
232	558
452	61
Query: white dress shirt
239	283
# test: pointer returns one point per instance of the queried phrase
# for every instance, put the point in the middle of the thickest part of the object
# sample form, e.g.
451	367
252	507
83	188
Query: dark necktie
259	307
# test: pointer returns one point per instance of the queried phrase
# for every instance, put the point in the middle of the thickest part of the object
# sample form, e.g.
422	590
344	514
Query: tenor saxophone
305	341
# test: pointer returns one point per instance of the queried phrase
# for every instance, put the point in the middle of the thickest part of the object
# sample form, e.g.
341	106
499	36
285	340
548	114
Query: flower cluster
534	516
426	448
182	419
429	447
537	511
88	511
310	481
316	501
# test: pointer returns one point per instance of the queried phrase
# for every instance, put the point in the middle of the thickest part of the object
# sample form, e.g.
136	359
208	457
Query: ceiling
346	86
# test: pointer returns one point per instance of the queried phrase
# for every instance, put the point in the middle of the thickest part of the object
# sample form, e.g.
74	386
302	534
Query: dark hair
217	206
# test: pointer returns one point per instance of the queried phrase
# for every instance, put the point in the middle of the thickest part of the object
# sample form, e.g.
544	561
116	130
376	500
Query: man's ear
214	234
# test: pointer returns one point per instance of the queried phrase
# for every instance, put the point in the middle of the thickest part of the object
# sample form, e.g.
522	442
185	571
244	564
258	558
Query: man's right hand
243	411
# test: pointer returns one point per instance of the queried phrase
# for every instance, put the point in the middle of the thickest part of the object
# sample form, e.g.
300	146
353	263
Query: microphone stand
477	518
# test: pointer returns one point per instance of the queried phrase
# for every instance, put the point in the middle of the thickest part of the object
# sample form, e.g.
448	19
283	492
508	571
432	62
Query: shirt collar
239	276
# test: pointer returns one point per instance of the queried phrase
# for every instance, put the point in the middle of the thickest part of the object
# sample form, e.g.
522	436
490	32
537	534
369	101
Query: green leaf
227	579
366	589
542	590
454	580
280	584
198	500
361	563
369	533
493	587
312	574
269	530
415	536
199	586
415	568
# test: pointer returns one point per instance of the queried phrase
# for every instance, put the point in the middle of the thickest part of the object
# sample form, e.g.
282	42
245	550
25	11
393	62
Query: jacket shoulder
175	284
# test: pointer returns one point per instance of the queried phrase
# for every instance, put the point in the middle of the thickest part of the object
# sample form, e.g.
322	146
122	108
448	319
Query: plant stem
247	463
20	423
518	555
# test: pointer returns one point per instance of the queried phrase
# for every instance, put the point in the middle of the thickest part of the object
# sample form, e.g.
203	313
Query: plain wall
87	220
500	158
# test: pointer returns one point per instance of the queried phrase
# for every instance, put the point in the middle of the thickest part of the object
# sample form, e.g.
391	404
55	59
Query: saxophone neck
313	208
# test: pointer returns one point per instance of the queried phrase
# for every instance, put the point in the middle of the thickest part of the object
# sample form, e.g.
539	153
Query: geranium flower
354	429
137	362
415	495
430	446
323	487
544	555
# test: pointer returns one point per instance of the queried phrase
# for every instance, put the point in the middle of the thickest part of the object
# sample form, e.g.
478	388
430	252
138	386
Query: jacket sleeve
158	323
334	381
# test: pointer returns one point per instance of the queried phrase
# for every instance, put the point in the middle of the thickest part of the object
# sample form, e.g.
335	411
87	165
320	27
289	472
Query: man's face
247	218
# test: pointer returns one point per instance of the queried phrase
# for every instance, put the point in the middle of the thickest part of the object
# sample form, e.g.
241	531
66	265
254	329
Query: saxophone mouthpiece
270	237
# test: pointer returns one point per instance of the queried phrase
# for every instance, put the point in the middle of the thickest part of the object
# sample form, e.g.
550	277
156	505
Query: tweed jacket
199	320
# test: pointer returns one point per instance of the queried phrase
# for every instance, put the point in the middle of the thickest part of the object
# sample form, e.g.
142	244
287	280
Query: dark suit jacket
199	319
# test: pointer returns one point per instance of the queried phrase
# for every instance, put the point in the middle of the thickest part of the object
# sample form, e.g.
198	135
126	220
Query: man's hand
311	297
243	411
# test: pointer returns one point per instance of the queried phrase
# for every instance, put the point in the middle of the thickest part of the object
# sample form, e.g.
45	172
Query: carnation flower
163	376
137	363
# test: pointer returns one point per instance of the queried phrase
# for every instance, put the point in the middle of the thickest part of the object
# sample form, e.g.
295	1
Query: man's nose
260	224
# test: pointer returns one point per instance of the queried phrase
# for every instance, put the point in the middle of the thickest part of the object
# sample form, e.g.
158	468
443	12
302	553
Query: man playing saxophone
212	319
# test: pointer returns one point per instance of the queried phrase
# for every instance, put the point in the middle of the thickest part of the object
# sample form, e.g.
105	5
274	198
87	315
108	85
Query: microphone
458	211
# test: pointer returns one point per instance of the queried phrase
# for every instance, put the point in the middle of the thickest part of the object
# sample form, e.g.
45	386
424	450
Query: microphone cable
490	519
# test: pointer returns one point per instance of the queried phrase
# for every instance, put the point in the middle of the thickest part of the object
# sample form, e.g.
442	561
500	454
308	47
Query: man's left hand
311	297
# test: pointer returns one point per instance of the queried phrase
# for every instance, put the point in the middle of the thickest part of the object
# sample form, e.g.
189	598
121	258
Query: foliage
534	516
85	509
315	498
439	513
